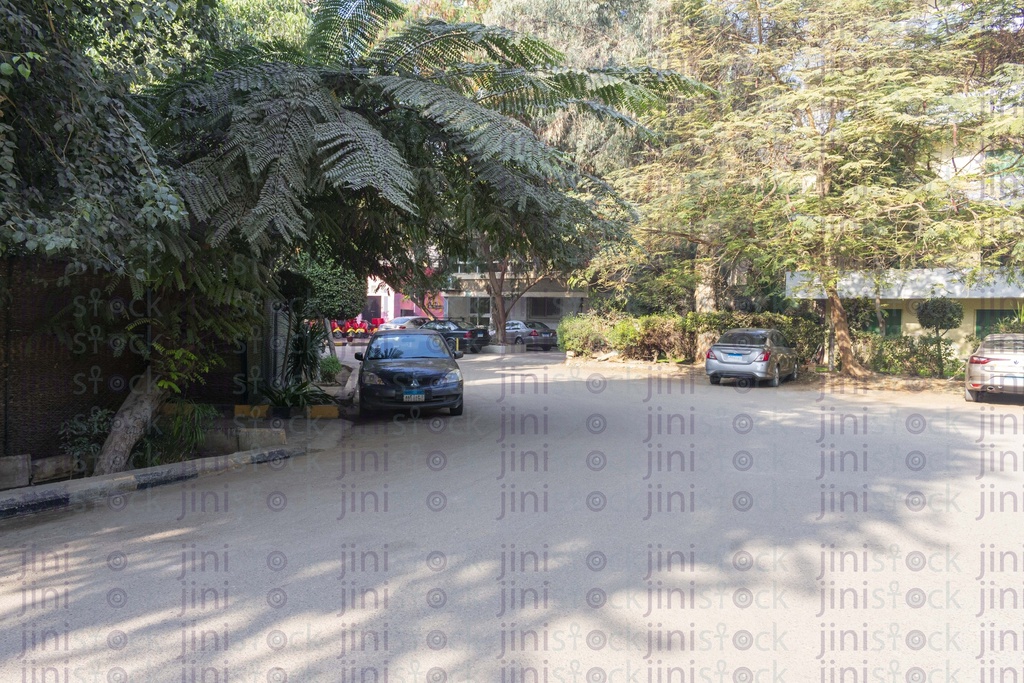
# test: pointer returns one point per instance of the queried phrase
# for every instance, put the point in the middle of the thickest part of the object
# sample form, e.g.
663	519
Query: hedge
914	356
651	337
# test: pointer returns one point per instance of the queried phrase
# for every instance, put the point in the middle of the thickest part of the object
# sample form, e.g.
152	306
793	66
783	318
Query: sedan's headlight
371	378
453	377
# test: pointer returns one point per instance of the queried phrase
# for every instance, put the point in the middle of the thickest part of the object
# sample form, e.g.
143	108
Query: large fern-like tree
387	145
197	180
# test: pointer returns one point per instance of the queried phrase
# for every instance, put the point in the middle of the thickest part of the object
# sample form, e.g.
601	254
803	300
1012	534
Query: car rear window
1003	346
743	338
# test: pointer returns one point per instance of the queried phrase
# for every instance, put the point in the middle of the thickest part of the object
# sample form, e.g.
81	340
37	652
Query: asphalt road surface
590	524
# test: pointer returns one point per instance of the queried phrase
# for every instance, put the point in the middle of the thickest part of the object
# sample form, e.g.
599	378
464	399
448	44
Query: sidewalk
303	437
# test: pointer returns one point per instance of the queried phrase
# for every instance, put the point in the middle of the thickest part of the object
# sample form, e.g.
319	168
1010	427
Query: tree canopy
192	155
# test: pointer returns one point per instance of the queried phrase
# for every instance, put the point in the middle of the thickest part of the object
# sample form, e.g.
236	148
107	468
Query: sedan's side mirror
358	355
457	354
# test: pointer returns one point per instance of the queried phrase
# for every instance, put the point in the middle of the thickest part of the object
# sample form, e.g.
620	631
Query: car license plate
736	356
415	396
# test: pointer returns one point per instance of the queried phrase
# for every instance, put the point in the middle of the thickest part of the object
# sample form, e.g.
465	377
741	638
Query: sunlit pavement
584	524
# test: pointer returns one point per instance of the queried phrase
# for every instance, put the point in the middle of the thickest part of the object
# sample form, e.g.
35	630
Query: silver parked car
997	367
531	333
751	354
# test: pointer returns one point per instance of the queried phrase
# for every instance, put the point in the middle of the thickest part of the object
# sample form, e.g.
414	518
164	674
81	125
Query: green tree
198	188
334	291
839	141
940	315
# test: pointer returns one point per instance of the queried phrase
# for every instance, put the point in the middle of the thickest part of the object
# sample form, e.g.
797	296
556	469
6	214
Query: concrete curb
62	495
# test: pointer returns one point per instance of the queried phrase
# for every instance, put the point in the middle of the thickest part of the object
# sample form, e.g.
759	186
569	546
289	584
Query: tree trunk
878	314
704	300
851	366
498	315
130	423
287	346
330	339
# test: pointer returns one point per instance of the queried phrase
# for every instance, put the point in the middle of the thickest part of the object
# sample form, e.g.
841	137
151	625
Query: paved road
589	524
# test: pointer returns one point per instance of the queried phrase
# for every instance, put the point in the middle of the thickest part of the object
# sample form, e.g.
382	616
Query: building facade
986	300
382	301
548	301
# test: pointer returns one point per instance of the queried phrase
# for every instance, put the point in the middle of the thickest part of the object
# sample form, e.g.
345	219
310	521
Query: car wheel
337	334
774	381
714	379
972	396
519	341
796	371
547	348
456	410
451	343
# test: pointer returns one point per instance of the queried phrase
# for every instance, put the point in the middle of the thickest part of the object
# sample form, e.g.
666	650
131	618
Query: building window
893	322
479	310
986	321
543	307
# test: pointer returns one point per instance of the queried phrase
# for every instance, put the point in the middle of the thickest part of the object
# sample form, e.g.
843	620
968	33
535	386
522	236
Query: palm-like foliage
378	142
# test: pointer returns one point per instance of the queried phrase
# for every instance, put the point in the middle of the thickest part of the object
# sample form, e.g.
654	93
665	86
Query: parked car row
460	335
747	354
416	368
412	365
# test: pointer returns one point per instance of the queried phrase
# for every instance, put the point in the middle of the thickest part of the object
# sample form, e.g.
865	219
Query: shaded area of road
594	523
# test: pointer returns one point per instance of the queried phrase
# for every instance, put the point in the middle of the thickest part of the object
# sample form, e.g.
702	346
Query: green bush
651	337
624	337
82	437
296	395
914	356
583	334
329	369
1013	324
940	315
175	437
305	346
662	336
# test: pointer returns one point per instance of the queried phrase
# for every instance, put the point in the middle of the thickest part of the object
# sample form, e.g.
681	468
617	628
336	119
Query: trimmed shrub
651	337
329	369
940	314
624	337
914	356
583	334
663	335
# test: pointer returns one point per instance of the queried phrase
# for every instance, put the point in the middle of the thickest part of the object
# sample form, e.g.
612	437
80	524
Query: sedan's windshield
390	347
744	338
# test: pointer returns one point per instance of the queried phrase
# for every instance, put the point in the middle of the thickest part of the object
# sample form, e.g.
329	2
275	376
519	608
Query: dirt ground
808	379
